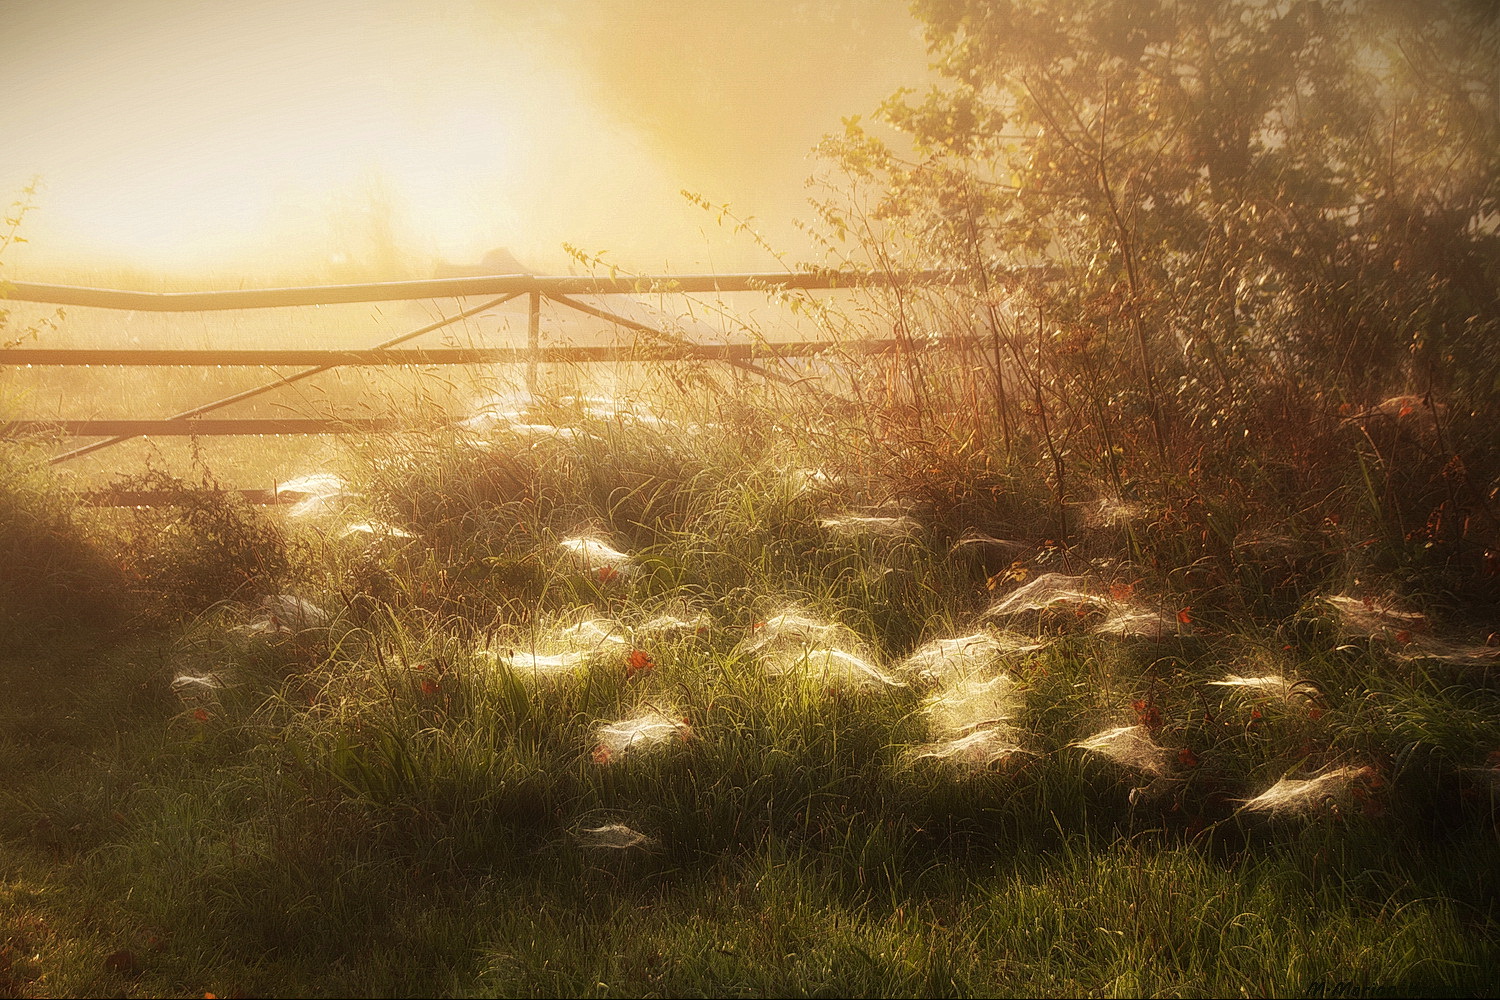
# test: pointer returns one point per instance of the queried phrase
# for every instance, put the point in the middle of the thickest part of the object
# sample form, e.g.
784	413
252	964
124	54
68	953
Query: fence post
533	337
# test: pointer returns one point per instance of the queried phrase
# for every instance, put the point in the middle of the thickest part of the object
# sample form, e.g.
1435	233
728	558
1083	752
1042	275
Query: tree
1315	182
1194	230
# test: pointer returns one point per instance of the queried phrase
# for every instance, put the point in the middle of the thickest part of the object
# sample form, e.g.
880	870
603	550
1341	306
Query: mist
356	139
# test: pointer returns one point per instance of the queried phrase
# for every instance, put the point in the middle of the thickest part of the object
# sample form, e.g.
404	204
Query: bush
56	577
201	546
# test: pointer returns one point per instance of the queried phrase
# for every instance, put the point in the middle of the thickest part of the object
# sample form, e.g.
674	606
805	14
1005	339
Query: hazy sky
262	134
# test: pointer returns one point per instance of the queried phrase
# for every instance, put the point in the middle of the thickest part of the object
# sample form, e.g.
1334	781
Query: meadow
714	685
1130	629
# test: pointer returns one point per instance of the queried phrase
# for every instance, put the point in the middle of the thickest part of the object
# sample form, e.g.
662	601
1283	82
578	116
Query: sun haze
278	135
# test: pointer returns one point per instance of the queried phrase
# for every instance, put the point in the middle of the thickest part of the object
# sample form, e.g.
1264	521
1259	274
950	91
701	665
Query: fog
363	139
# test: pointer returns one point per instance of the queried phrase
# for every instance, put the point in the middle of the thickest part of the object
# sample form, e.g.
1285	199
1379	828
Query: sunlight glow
280	132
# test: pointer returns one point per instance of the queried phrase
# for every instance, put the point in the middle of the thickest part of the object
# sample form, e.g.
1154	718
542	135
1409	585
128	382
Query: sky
264	137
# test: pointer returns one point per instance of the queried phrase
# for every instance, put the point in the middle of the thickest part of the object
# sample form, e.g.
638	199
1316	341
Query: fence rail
201	427
165	498
371	357
438	288
765	359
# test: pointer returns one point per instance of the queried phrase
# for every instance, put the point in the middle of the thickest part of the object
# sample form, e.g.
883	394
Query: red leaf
1122	591
1146	713
603	754
429	686
639	662
1315	713
201	714
1187	758
1184	616
606	573
1403	636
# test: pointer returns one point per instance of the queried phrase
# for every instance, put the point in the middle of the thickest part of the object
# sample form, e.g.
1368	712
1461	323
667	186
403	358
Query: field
718	686
1131	627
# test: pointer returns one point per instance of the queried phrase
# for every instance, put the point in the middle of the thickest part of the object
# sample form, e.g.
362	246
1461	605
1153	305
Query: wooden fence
763	358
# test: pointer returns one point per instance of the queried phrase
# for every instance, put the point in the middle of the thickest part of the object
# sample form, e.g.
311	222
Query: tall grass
385	802
382	793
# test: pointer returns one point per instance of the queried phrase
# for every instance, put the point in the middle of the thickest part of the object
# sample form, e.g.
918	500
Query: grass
209	788
380	805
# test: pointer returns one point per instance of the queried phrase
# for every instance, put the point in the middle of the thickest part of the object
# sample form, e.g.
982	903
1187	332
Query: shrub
198	546
55	575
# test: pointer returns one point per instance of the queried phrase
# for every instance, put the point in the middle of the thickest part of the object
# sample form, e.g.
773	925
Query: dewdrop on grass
1048	592
1132	747
613	836
650	729
375	529
1131	623
978	749
595	633
792	628
965	655
832	666
1308	796
598	558
542	664
967	704
197	690
869	524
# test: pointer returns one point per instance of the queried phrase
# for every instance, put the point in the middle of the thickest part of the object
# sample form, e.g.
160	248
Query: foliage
196	546
1200	245
57	575
1204	241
